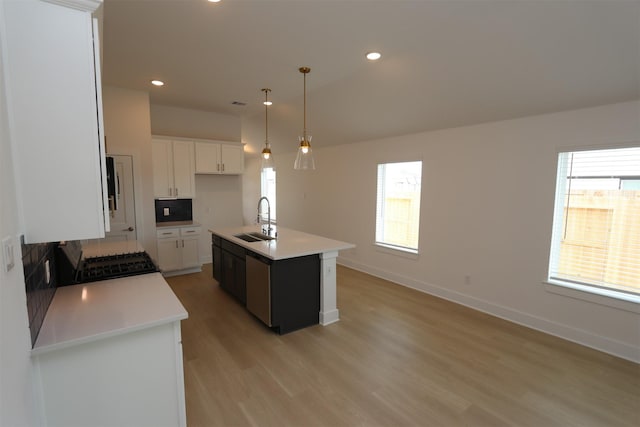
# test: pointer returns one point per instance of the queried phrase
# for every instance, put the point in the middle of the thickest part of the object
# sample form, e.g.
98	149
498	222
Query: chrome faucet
268	229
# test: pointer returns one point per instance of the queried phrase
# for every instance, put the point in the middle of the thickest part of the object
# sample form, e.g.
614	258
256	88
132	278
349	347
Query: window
596	226
398	206
268	189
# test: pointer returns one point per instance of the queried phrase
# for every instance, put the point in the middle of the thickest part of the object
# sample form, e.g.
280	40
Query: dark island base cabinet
294	284
229	268
295	293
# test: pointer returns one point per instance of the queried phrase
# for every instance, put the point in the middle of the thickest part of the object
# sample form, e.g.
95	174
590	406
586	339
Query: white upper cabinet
51	69
162	156
232	159
183	169
207	157
216	158
173	168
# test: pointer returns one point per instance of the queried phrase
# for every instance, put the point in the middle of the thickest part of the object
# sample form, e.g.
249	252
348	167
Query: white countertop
289	244
111	248
88	312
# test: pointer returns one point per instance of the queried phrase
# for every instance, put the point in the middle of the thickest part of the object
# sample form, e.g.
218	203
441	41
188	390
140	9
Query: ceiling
444	64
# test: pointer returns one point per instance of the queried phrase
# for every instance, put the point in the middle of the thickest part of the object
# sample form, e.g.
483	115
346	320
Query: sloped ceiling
444	64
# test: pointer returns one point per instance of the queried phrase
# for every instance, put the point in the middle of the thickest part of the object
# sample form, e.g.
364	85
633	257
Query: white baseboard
566	332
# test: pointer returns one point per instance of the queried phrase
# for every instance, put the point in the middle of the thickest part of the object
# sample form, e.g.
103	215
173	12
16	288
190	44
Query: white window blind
398	205
596	227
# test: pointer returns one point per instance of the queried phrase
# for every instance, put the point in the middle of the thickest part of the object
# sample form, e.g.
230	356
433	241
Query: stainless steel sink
260	236
253	237
247	238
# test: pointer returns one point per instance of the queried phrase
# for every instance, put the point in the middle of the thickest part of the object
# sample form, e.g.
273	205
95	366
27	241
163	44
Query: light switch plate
8	256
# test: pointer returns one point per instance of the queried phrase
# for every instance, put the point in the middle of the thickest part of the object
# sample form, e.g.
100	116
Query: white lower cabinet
133	379
178	249
190	253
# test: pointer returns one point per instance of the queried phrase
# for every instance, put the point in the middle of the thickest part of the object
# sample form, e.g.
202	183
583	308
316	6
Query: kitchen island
291	250
110	353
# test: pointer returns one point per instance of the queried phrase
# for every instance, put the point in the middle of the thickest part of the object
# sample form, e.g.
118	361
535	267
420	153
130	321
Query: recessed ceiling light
157	82
373	56
213	1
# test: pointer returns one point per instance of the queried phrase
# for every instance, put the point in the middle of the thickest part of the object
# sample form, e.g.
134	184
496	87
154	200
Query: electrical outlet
8	255
165	211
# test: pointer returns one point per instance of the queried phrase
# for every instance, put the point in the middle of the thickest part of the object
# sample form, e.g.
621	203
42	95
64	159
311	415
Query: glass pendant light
304	159
267	156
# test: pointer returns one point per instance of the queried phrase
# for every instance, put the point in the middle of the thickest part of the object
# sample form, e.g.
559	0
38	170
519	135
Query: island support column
328	306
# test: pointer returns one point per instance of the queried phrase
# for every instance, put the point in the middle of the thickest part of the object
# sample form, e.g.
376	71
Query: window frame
389	248
583	291
272	200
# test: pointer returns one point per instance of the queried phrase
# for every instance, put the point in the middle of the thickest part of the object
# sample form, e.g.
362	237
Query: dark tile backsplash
39	292
174	210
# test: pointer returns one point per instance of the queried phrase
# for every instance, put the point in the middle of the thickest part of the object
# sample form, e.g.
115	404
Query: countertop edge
107	334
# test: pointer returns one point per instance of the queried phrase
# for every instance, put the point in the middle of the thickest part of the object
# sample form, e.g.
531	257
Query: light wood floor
397	357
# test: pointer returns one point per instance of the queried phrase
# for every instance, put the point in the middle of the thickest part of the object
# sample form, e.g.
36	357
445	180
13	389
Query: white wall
128	131
16	399
218	204
487	203
188	123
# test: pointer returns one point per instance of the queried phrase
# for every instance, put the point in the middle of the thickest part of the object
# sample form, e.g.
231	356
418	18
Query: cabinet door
217	262
128	374
190	255
232	159
183	169
49	64
162	156
207	157
228	272
169	254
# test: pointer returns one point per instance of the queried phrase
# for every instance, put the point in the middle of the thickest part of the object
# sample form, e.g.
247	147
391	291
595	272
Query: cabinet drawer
216	240
189	231
166	233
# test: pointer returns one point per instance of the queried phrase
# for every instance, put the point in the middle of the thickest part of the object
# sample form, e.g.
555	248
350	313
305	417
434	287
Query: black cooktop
114	266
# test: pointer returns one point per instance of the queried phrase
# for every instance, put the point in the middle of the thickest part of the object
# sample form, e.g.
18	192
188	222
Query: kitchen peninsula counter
110	350
88	312
291	244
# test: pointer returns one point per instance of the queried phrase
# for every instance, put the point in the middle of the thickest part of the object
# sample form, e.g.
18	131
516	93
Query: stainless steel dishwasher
259	286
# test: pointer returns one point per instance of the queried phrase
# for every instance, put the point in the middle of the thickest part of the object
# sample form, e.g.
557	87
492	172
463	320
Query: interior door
123	220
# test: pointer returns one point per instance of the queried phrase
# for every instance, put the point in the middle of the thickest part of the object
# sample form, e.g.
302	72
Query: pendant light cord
266	116
304	71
